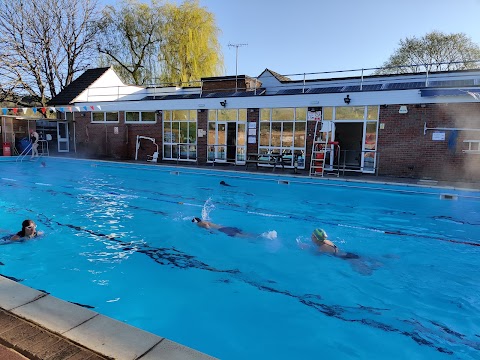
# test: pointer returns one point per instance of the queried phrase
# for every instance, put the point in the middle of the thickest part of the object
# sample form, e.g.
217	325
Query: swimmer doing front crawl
232	231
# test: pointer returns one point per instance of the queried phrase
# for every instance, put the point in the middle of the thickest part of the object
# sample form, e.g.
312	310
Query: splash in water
207	209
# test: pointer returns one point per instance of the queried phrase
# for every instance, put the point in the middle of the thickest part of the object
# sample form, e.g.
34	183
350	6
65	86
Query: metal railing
298	80
178	147
213	149
351	161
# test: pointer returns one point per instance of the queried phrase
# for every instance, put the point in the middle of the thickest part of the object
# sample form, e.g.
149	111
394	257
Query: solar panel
351	88
218	94
406	85
172	97
452	83
191	96
373	87
324	90
289	92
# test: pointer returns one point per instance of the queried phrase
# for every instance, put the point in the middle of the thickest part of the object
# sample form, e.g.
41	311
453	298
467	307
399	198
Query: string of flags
53	109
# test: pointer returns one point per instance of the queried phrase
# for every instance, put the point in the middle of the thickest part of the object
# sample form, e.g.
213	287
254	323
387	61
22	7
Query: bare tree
435	51
45	44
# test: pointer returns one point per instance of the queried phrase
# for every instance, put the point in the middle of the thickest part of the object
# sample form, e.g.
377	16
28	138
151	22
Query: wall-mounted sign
252	132
252	125
438	136
403	110
314	114
115	130
252	139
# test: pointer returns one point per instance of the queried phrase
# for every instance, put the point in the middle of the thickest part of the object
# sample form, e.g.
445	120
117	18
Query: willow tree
129	39
146	43
44	45
435	51
190	48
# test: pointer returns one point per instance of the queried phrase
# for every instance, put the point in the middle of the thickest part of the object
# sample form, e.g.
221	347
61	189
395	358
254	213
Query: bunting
51	109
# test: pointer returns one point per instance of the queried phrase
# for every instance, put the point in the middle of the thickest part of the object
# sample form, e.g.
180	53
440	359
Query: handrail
24	153
425	129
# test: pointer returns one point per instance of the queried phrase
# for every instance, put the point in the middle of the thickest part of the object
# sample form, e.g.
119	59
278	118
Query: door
221	142
62	136
350	138
231	141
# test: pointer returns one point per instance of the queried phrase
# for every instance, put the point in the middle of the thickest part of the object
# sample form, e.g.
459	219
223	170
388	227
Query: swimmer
223	183
29	231
363	265
43	164
320	238
230	231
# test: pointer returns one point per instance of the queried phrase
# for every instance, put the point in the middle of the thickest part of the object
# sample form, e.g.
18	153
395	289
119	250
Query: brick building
423	125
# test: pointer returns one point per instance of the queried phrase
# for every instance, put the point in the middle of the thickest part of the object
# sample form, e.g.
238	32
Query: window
140	116
98	116
350	113
226	137
180	135
283	130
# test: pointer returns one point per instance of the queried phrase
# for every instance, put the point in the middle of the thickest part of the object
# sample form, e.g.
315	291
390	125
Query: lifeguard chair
324	148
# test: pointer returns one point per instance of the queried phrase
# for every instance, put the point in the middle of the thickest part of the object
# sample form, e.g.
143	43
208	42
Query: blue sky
306	36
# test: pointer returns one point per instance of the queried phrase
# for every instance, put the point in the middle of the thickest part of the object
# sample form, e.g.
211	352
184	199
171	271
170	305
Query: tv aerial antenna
236	46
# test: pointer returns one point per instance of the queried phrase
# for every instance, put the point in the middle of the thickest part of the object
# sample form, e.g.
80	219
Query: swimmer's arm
15	237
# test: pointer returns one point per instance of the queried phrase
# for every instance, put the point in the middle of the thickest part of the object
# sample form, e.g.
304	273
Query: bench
266	159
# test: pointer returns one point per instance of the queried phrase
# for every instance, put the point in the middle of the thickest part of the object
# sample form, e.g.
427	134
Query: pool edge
75	324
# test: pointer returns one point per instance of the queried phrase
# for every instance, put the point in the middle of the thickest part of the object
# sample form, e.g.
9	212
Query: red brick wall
406	152
100	140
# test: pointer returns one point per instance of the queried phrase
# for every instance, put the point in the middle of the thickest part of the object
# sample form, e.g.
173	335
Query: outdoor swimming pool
119	238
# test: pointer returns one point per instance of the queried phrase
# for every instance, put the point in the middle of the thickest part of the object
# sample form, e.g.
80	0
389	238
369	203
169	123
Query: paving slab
54	314
13	294
113	338
170	350
9	354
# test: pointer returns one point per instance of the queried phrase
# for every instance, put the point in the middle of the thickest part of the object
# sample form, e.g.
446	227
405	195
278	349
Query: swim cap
319	235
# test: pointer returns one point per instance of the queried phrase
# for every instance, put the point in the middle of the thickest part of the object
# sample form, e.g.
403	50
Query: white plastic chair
153	158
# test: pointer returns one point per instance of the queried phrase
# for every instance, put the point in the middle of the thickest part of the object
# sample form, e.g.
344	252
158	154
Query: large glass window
226	135
100	116
140	116
370	145
283	130
180	134
350	113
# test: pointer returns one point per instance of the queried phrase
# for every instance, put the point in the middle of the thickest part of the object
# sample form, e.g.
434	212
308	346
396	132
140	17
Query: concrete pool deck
39	326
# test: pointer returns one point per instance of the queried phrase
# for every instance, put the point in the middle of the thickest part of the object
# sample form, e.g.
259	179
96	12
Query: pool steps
101	334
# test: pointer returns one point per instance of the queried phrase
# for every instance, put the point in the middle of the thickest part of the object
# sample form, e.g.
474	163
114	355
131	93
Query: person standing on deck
34	139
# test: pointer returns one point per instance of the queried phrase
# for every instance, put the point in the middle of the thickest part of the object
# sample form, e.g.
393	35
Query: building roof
76	87
277	76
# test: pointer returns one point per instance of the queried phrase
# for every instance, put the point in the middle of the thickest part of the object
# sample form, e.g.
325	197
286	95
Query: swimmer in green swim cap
319	238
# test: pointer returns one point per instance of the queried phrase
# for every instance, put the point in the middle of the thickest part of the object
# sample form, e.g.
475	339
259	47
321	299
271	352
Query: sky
310	36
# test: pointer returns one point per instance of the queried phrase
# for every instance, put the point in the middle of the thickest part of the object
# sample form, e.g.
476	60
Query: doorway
226	142
62	136
349	136
231	141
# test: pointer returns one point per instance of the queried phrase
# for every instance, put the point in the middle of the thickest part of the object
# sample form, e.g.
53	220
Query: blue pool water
119	238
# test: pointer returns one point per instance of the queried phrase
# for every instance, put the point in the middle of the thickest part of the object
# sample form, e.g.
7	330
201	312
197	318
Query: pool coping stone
29	314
